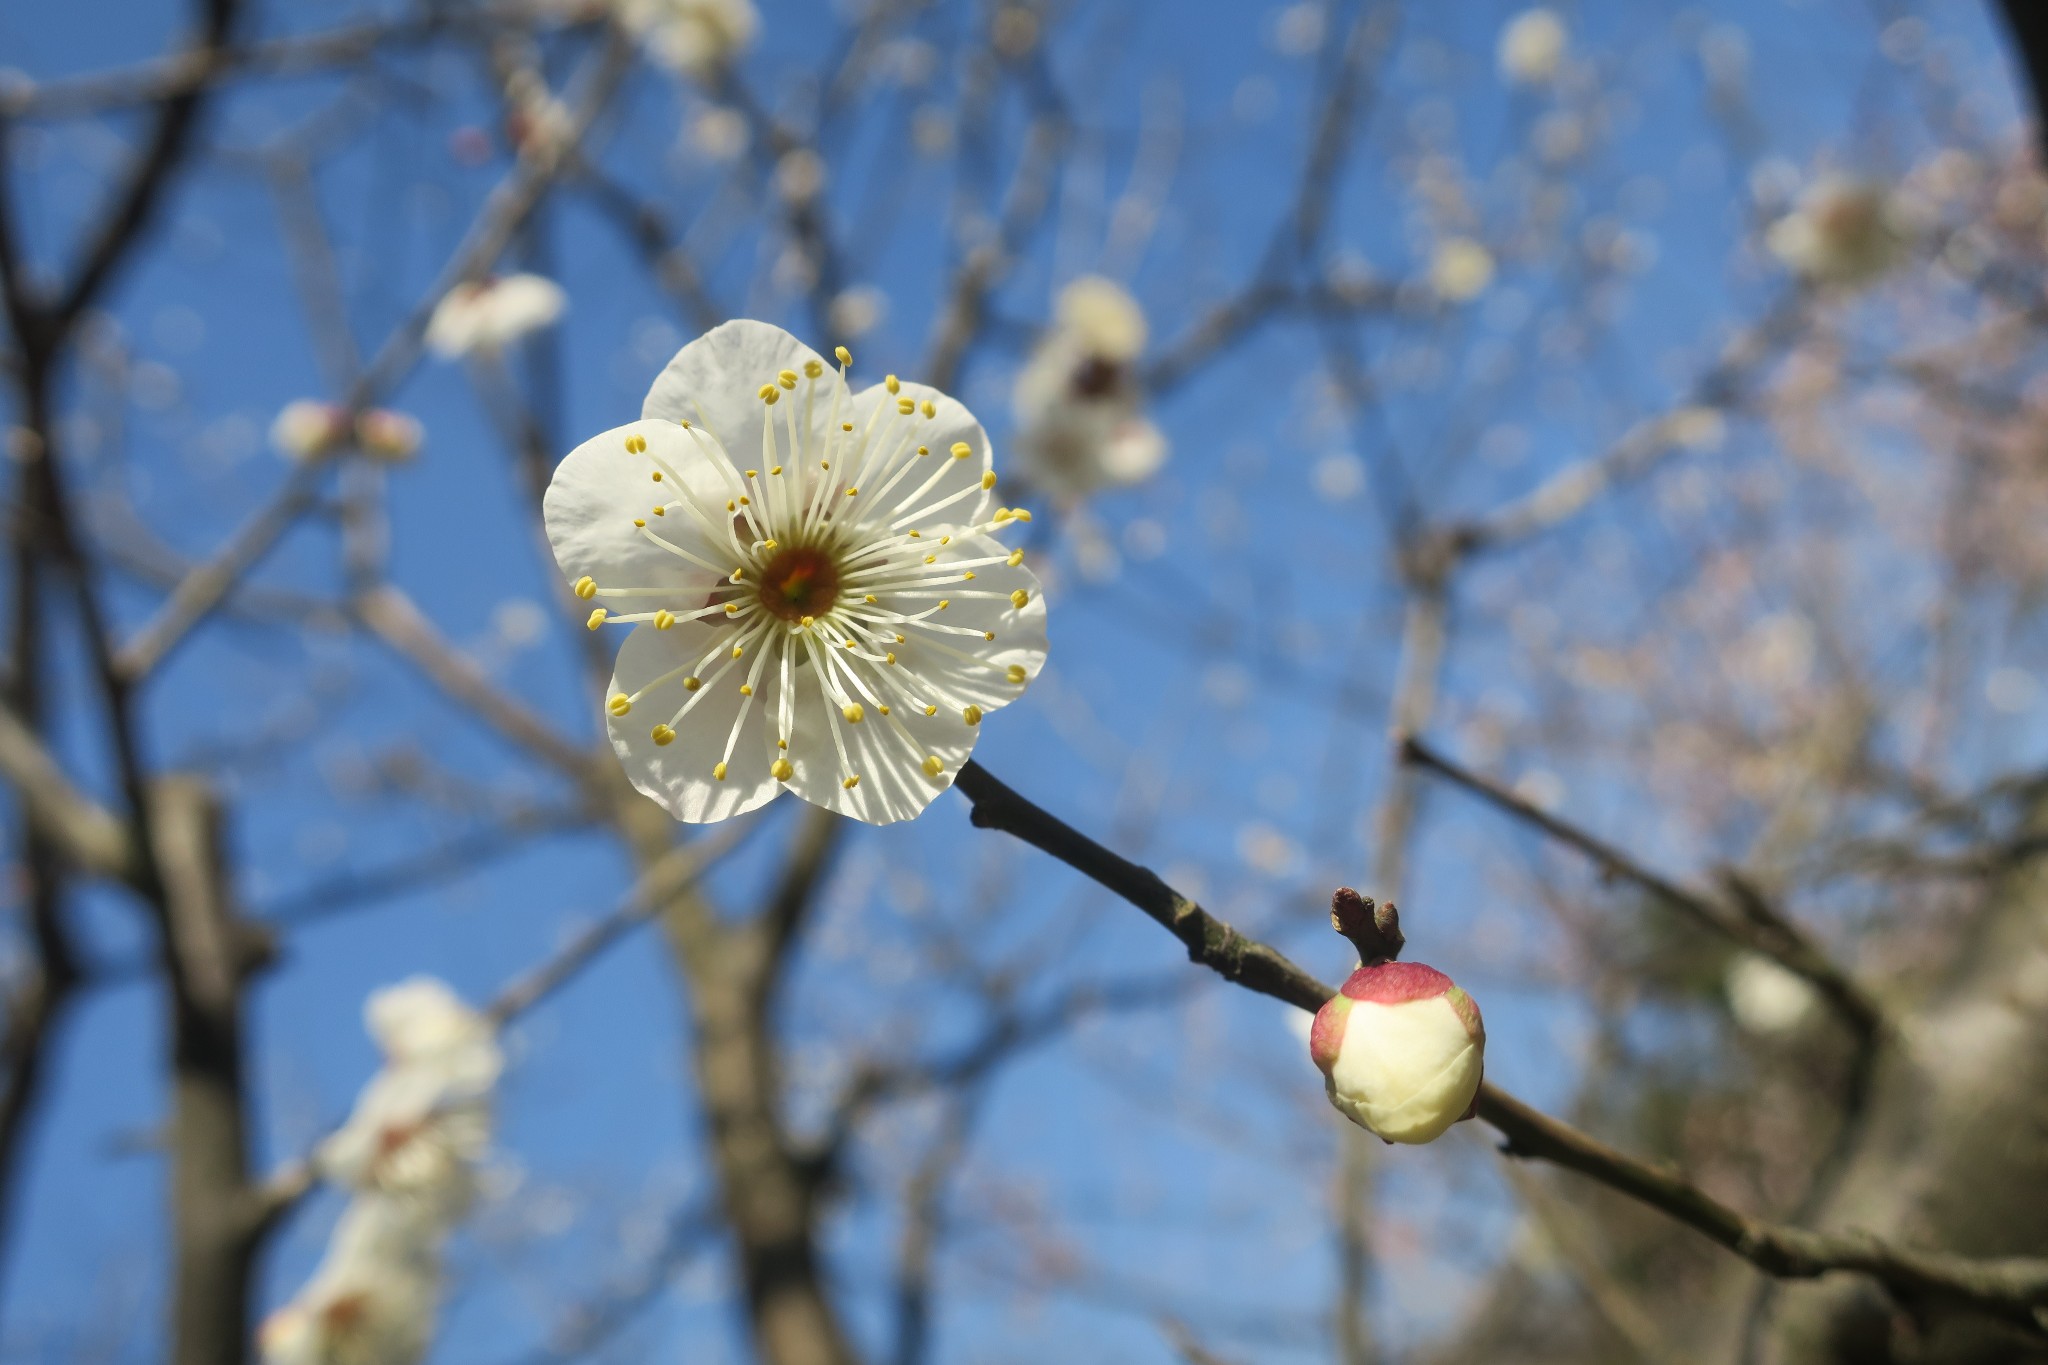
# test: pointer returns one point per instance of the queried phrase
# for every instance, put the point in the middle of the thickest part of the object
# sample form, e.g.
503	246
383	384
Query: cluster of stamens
826	569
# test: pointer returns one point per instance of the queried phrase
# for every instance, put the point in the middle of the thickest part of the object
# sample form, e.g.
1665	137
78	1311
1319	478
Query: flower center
800	581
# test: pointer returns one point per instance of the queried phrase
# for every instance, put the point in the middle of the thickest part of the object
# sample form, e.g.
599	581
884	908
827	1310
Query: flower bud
1402	1051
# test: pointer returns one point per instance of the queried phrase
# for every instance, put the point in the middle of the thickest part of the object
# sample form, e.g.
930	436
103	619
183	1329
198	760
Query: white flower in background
424	1122
1532	47
1080	420
307	429
1765	998
819	602
483	317
1402	1051
694	37
1460	269
1842	232
373	1298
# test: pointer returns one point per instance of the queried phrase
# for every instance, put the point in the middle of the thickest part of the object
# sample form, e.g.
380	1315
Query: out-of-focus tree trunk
1954	1152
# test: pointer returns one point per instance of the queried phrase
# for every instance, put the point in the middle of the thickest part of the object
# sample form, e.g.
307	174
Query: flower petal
678	775
715	382
983	678
950	425
605	485
887	752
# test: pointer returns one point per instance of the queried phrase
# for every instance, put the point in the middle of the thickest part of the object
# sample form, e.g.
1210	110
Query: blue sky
1229	684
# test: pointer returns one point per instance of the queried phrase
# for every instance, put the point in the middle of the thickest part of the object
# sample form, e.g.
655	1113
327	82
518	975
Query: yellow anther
692	683
945	540
769	545
971	714
945	602
853	713
932	766
848	643
597	618
1019	598
905	406
776	470
657	476
846	426
1020	514
732	609
961	450
586	587
744	502
931	710
664	735
769	393
917	535
853	492
892	383
813	368
738	574
931	409
988	635
781	769
969	574
685	423
931	559
718	771
619	705
1016	558
731	506
988	478
851	782
753	473
738	650
899	639
746	689
826	464
806	621
636	444
664	618
786	378
661	511
1016	674
640	522
1002	515
883	709
870	599
782	744
924	450
845	356
889	658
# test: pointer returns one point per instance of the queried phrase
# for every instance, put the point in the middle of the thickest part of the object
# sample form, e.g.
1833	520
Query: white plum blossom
307	429
1843	232
1402	1051
483	317
1460	269
1532	47
422	1124
371	1301
817	595
1080	420
1766	998
693	37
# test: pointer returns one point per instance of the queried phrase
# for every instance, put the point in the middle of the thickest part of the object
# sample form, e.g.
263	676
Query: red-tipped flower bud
1402	1051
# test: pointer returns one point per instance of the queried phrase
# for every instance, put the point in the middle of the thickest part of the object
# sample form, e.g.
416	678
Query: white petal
893	782
678	775
1019	631
602	488
951	424
1135	452
715	382
1406	1071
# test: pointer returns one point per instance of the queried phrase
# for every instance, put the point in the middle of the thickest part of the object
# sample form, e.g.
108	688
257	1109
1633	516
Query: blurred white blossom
1460	269
482	317
1764	997
1080	420
1842	232
372	1299
692	37
307	429
1532	47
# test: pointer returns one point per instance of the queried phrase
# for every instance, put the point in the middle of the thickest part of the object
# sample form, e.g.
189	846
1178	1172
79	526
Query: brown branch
90	837
2013	1288
1750	920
